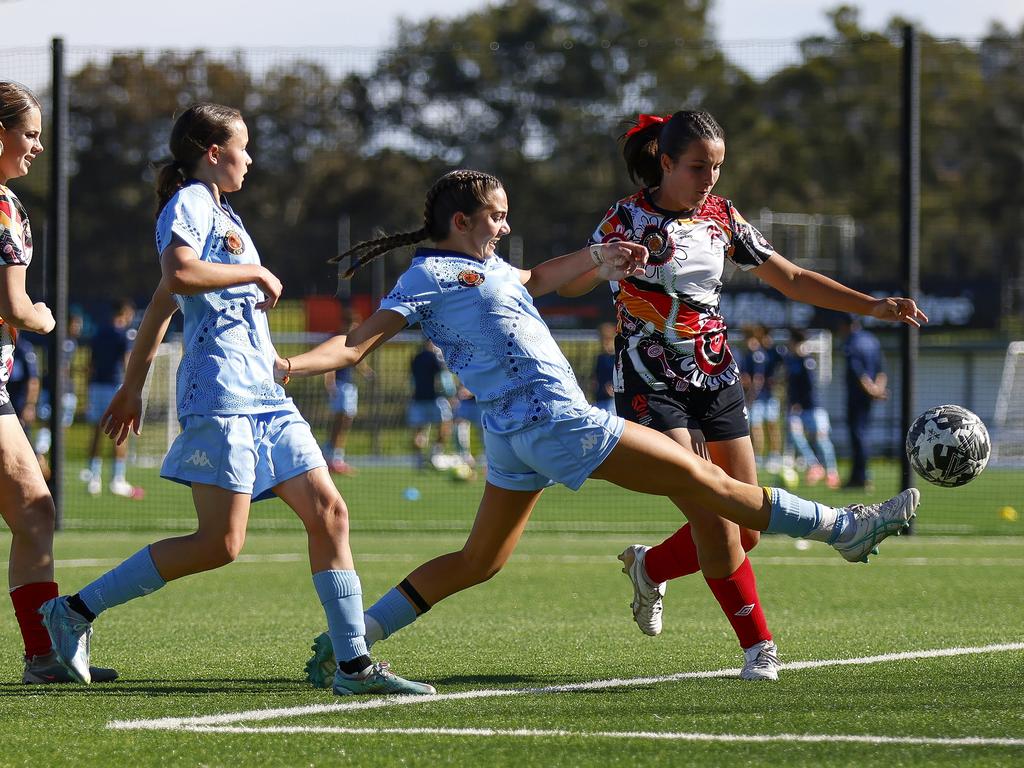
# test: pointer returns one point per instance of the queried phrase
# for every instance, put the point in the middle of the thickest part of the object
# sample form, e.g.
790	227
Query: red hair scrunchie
646	121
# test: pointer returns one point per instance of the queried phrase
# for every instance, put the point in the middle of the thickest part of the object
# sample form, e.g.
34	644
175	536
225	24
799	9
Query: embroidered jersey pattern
671	334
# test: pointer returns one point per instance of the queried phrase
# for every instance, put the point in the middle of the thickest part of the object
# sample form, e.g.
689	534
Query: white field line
257	715
373	557
805	738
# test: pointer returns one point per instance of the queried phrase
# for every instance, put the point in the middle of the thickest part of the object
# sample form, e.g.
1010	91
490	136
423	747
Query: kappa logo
587	442
199	459
746	610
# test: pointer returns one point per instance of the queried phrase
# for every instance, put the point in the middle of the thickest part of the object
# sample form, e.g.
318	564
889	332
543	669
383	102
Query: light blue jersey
483	319
227	366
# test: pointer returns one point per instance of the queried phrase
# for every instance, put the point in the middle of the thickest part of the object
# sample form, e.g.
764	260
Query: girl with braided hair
242	438
674	370
538	427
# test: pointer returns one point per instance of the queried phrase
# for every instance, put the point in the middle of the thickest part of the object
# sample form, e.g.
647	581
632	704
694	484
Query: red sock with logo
737	594
676	556
27	599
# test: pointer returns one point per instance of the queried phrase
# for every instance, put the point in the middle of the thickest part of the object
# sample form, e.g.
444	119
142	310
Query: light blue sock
135	577
803	519
96	468
342	598
119	467
392	612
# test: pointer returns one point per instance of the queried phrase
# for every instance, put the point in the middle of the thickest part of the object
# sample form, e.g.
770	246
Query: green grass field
235	640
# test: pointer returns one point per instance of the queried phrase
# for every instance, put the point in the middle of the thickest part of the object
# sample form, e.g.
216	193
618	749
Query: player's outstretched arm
124	414
595	263
811	287
186	275
343	351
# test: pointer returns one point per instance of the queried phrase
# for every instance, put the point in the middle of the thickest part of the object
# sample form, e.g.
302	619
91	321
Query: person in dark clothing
866	382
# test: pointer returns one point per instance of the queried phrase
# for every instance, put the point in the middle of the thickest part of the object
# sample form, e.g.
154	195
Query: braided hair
460	191
643	149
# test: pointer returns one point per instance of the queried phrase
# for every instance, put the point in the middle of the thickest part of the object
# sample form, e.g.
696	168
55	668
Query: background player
804	416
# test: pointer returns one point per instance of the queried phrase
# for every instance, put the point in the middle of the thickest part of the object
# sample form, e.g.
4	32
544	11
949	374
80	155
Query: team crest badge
470	278
234	243
657	244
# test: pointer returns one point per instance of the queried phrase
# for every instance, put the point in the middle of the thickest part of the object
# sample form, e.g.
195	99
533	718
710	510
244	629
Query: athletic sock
803	519
27	599
76	604
119	470
135	577
676	556
357	667
392	612
737	594
96	468
341	595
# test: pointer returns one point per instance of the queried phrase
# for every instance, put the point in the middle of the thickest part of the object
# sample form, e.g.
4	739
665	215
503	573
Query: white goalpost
159	420
1008	423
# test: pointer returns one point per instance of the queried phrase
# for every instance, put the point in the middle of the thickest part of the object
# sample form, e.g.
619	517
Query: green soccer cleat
875	522
322	665
380	679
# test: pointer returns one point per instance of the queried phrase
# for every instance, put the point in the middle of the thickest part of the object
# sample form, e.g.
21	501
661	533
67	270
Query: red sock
676	556
737	594
27	599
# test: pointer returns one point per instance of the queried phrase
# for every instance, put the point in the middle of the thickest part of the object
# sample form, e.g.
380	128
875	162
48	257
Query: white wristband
595	254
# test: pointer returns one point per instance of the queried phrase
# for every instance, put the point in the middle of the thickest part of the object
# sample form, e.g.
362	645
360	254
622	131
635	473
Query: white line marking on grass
192	723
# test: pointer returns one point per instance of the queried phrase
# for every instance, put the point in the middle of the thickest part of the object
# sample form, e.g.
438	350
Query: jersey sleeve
610	228
749	247
188	217
13	247
415	295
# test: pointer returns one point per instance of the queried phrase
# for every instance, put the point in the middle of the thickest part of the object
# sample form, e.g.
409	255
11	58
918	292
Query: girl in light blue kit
538	426
242	439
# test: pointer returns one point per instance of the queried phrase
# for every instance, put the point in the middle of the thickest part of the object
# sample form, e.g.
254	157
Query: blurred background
346	139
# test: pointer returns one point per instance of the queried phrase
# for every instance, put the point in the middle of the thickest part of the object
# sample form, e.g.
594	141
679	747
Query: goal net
1008	423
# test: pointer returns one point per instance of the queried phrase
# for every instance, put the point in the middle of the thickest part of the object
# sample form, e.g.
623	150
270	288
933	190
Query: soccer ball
948	445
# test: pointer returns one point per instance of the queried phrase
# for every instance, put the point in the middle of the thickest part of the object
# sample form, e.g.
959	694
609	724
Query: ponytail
459	191
651	137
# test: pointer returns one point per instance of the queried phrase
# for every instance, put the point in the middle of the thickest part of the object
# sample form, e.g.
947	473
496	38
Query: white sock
374	631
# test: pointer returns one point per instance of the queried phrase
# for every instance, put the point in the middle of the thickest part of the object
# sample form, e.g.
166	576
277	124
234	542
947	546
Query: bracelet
288	375
595	254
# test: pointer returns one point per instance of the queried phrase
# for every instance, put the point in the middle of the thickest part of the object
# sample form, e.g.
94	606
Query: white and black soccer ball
948	445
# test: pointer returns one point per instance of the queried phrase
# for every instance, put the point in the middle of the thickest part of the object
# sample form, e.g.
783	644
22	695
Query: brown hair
643	149
15	101
459	191
198	128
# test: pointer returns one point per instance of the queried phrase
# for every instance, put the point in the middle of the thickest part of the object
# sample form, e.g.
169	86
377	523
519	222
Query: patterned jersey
15	250
227	365
671	335
483	319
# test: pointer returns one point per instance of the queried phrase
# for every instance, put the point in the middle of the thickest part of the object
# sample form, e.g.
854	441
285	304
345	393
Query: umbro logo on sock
199	459
746	610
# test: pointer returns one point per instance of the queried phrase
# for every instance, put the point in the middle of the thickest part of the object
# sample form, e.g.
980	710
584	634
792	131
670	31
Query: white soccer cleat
876	522
70	633
647	602
761	662
95	486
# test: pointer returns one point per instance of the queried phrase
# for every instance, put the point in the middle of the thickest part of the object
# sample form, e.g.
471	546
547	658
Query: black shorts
7	409
720	414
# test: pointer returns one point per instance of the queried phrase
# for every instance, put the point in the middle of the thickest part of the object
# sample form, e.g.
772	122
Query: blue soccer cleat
70	633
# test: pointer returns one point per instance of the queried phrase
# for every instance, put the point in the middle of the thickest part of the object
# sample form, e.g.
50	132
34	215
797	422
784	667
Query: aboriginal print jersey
15	250
227	363
483	319
671	335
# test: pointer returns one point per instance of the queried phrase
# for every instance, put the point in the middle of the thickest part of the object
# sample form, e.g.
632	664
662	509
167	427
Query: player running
538	427
242	438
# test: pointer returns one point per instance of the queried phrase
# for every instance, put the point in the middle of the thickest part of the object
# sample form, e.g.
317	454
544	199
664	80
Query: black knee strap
415	596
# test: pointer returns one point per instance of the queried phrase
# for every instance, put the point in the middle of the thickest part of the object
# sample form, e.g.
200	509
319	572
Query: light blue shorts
249	453
100	396
764	410
565	450
424	412
345	399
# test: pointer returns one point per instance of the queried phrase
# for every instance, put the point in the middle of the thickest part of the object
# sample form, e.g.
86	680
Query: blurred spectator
432	386
758	370
344	402
109	350
866	382
69	402
805	416
604	369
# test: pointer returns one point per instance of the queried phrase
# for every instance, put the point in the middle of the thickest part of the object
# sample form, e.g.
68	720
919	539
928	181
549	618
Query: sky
328	23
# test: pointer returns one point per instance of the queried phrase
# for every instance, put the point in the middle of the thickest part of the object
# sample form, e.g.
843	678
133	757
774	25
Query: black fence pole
57	274
910	203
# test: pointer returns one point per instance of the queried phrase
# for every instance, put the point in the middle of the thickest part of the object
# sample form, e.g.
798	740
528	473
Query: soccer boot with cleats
45	670
322	665
70	635
875	522
647	602
761	662
379	679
